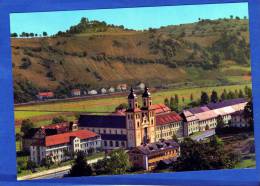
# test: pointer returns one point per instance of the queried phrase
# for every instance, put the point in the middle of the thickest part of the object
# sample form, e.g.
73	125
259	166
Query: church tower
148	118
133	121
140	123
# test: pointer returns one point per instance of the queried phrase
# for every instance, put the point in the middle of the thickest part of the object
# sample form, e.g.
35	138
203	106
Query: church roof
132	94
102	121
146	93
167	118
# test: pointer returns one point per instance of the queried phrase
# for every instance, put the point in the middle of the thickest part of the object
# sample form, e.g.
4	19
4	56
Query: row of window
114	143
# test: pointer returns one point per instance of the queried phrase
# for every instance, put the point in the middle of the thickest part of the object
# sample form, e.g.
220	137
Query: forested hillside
93	54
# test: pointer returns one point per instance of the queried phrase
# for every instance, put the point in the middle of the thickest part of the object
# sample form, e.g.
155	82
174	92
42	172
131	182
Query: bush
26	63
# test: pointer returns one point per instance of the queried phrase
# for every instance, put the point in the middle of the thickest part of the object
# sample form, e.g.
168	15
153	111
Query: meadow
107	105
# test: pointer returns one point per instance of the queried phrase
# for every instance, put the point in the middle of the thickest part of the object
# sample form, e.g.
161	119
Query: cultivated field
109	104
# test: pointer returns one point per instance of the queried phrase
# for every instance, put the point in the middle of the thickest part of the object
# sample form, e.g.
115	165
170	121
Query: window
111	143
117	144
105	143
123	143
104	131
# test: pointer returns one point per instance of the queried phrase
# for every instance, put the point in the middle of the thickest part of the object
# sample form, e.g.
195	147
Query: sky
132	18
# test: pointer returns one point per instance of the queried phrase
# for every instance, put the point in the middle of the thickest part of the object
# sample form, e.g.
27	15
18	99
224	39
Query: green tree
47	162
80	166
174	137
183	100
204	98
26	127
166	102
241	94
231	95
176	99
248	92
248	113
44	34
214	97
31	165
220	124
59	119
191	97
14	35
224	95
118	162
122	106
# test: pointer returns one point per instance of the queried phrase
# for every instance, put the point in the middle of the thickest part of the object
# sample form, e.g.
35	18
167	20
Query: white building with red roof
61	147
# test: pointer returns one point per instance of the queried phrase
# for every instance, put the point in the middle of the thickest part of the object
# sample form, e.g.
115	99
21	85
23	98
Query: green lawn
247	163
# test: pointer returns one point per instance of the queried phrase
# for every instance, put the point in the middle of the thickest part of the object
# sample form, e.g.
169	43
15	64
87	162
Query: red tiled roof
65	137
46	94
167	118
160	108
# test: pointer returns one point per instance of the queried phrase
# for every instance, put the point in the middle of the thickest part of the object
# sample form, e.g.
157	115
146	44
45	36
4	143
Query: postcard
132	90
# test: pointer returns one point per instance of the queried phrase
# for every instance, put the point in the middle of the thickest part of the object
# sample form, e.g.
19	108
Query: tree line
176	104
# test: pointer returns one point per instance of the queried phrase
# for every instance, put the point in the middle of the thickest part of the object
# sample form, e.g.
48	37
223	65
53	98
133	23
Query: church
148	123
137	125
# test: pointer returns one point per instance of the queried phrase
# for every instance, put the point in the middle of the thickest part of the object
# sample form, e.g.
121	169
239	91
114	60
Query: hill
94	55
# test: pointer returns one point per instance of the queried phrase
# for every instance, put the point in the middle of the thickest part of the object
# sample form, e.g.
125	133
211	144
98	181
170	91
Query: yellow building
147	156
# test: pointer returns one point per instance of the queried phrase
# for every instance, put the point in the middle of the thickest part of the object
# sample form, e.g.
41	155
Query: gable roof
226	103
65	137
155	147
107	121
167	118
160	108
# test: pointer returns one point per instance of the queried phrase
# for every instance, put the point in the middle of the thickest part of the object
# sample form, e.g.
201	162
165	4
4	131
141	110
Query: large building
147	156
148	122
136	125
205	117
63	146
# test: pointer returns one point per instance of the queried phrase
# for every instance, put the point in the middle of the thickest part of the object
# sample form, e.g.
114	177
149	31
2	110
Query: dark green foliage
204	98
47	162
14	35
231	47
44	34
24	91
26	63
214	97
31	165
26	127
249	113
220	124
166	102
248	92
80	166
118	162
241	94
122	106
191	97
203	156
59	119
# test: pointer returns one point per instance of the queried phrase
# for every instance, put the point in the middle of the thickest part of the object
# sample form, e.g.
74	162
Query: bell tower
147	99
148	118
133	121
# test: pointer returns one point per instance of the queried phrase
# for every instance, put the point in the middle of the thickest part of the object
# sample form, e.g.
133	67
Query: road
204	135
53	173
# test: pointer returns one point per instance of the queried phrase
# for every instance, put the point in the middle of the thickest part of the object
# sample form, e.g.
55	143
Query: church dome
132	94
146	93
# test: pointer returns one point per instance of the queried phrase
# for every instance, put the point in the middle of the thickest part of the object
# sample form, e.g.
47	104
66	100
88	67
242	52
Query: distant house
92	92
121	87
45	95
140	86
103	91
111	90
75	92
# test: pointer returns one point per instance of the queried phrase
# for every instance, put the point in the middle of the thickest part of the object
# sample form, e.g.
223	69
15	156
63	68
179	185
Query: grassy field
109	104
